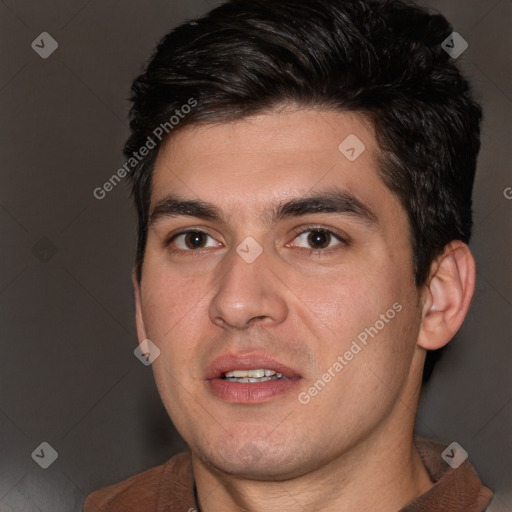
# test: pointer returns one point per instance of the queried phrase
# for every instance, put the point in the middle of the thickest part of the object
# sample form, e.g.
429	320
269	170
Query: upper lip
228	362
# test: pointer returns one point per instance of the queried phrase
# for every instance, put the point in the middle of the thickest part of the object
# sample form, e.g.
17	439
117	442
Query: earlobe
139	319
448	296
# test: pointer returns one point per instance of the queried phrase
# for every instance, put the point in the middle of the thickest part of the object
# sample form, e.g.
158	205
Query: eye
192	240
318	239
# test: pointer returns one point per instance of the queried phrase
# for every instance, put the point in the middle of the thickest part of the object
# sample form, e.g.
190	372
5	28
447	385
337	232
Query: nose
248	293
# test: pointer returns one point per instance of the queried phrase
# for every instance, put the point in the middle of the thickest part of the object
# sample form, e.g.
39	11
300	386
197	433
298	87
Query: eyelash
344	241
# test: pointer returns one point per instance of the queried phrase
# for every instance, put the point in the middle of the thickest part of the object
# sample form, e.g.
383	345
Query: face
272	249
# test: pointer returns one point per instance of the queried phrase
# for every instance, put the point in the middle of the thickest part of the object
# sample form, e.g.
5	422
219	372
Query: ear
447	295
139	320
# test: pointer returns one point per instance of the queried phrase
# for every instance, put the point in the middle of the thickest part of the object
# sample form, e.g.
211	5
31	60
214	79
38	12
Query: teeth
247	379
260	375
252	374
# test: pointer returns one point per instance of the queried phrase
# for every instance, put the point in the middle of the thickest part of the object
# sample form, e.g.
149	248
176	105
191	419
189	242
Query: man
303	173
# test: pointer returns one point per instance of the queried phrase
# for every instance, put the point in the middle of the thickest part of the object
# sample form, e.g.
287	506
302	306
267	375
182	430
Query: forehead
250	164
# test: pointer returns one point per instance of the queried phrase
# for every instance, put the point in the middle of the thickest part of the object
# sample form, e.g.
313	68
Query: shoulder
456	484
141	491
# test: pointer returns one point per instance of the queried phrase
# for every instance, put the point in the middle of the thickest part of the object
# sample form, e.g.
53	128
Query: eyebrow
330	201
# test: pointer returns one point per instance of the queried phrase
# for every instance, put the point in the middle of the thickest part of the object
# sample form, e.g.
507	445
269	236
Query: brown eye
318	239
193	240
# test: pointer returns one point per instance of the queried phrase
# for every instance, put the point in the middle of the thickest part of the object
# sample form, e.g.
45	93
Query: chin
257	462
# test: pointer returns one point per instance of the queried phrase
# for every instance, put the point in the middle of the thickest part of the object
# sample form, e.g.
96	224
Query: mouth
249	378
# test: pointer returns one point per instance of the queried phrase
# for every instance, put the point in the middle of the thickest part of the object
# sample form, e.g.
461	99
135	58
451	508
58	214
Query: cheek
373	373
346	301
173	319
372	314
387	356
170	303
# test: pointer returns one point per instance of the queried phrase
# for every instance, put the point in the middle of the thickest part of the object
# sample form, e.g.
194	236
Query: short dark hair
382	59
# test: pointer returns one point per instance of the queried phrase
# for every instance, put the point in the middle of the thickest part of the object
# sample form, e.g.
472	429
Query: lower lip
250	392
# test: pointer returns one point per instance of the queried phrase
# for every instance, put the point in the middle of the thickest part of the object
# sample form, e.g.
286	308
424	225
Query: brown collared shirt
170	488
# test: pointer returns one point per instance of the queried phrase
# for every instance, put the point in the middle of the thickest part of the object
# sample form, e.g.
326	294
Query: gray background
68	375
